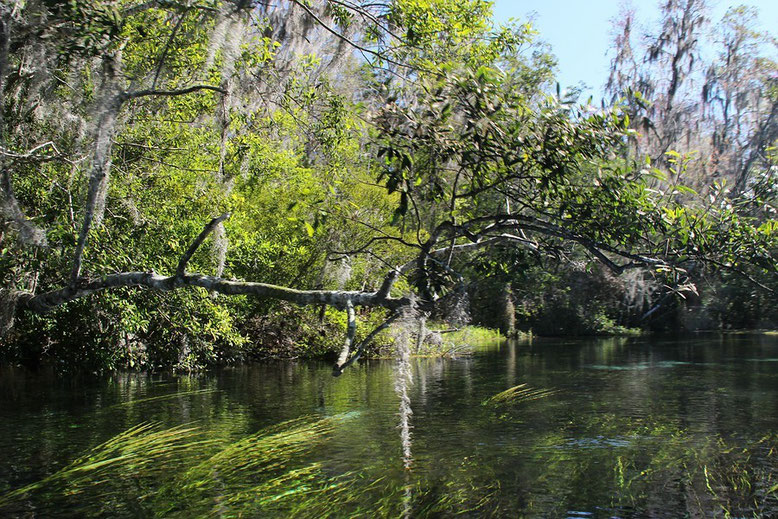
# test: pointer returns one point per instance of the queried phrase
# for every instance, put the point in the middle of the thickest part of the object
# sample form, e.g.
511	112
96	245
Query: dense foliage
350	143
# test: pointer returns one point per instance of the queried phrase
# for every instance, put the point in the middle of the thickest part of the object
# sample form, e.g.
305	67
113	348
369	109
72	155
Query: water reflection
634	428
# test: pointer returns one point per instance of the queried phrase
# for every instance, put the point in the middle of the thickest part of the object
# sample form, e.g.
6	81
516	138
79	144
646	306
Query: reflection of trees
634	430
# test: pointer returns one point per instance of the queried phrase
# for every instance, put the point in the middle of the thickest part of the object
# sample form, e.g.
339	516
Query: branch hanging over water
337	298
338	368
84	287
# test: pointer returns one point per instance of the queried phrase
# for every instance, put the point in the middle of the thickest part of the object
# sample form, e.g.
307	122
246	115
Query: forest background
330	168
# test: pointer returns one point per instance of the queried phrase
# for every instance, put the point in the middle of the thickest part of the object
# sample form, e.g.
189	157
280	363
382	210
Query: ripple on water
639	366
597	442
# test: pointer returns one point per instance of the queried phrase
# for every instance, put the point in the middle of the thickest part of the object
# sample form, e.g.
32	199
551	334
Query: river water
626	427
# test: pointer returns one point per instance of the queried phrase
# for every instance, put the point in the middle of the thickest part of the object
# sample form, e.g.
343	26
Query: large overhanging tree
456	126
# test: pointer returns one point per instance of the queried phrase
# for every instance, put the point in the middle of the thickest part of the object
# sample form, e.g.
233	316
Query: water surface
616	428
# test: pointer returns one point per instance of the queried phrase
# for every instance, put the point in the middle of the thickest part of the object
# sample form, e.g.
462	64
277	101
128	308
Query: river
621	427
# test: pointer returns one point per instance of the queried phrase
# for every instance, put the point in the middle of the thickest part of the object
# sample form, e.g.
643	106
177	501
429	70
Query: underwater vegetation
152	471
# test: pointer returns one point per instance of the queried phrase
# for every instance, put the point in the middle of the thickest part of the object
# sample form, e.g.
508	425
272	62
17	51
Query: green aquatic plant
190	471
264	468
145	451
148	470
518	394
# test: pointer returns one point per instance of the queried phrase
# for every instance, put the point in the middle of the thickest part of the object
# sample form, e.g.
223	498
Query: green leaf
686	190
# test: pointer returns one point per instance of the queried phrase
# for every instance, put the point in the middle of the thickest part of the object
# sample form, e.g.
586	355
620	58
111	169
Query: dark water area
627	427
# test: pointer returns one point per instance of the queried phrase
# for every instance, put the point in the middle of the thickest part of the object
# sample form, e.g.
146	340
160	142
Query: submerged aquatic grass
518	394
148	470
142	449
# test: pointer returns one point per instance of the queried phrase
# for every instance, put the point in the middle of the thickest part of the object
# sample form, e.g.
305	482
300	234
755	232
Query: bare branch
350	332
167	3
337	298
208	229
740	272
337	369
169	93
166	48
389	280
99	174
343	37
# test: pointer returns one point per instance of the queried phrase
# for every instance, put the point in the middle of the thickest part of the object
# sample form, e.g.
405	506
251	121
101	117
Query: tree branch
101	162
352	43
47	301
351	330
740	272
208	229
388	283
169	93
338	368
99	174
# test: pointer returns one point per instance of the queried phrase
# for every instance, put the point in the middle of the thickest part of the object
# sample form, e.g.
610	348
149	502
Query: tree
721	108
708	122
168	115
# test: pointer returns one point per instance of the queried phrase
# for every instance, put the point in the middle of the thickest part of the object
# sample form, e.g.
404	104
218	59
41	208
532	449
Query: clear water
621	428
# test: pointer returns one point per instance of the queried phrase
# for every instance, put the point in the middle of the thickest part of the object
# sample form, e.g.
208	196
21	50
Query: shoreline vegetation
185	186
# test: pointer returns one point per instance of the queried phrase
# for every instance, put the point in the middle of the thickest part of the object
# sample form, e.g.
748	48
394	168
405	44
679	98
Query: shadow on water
610	428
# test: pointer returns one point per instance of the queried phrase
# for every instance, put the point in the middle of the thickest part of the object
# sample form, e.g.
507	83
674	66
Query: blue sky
579	32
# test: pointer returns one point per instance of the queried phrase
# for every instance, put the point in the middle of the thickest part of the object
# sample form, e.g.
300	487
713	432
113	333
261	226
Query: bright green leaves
438	33
426	21
309	229
167	47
